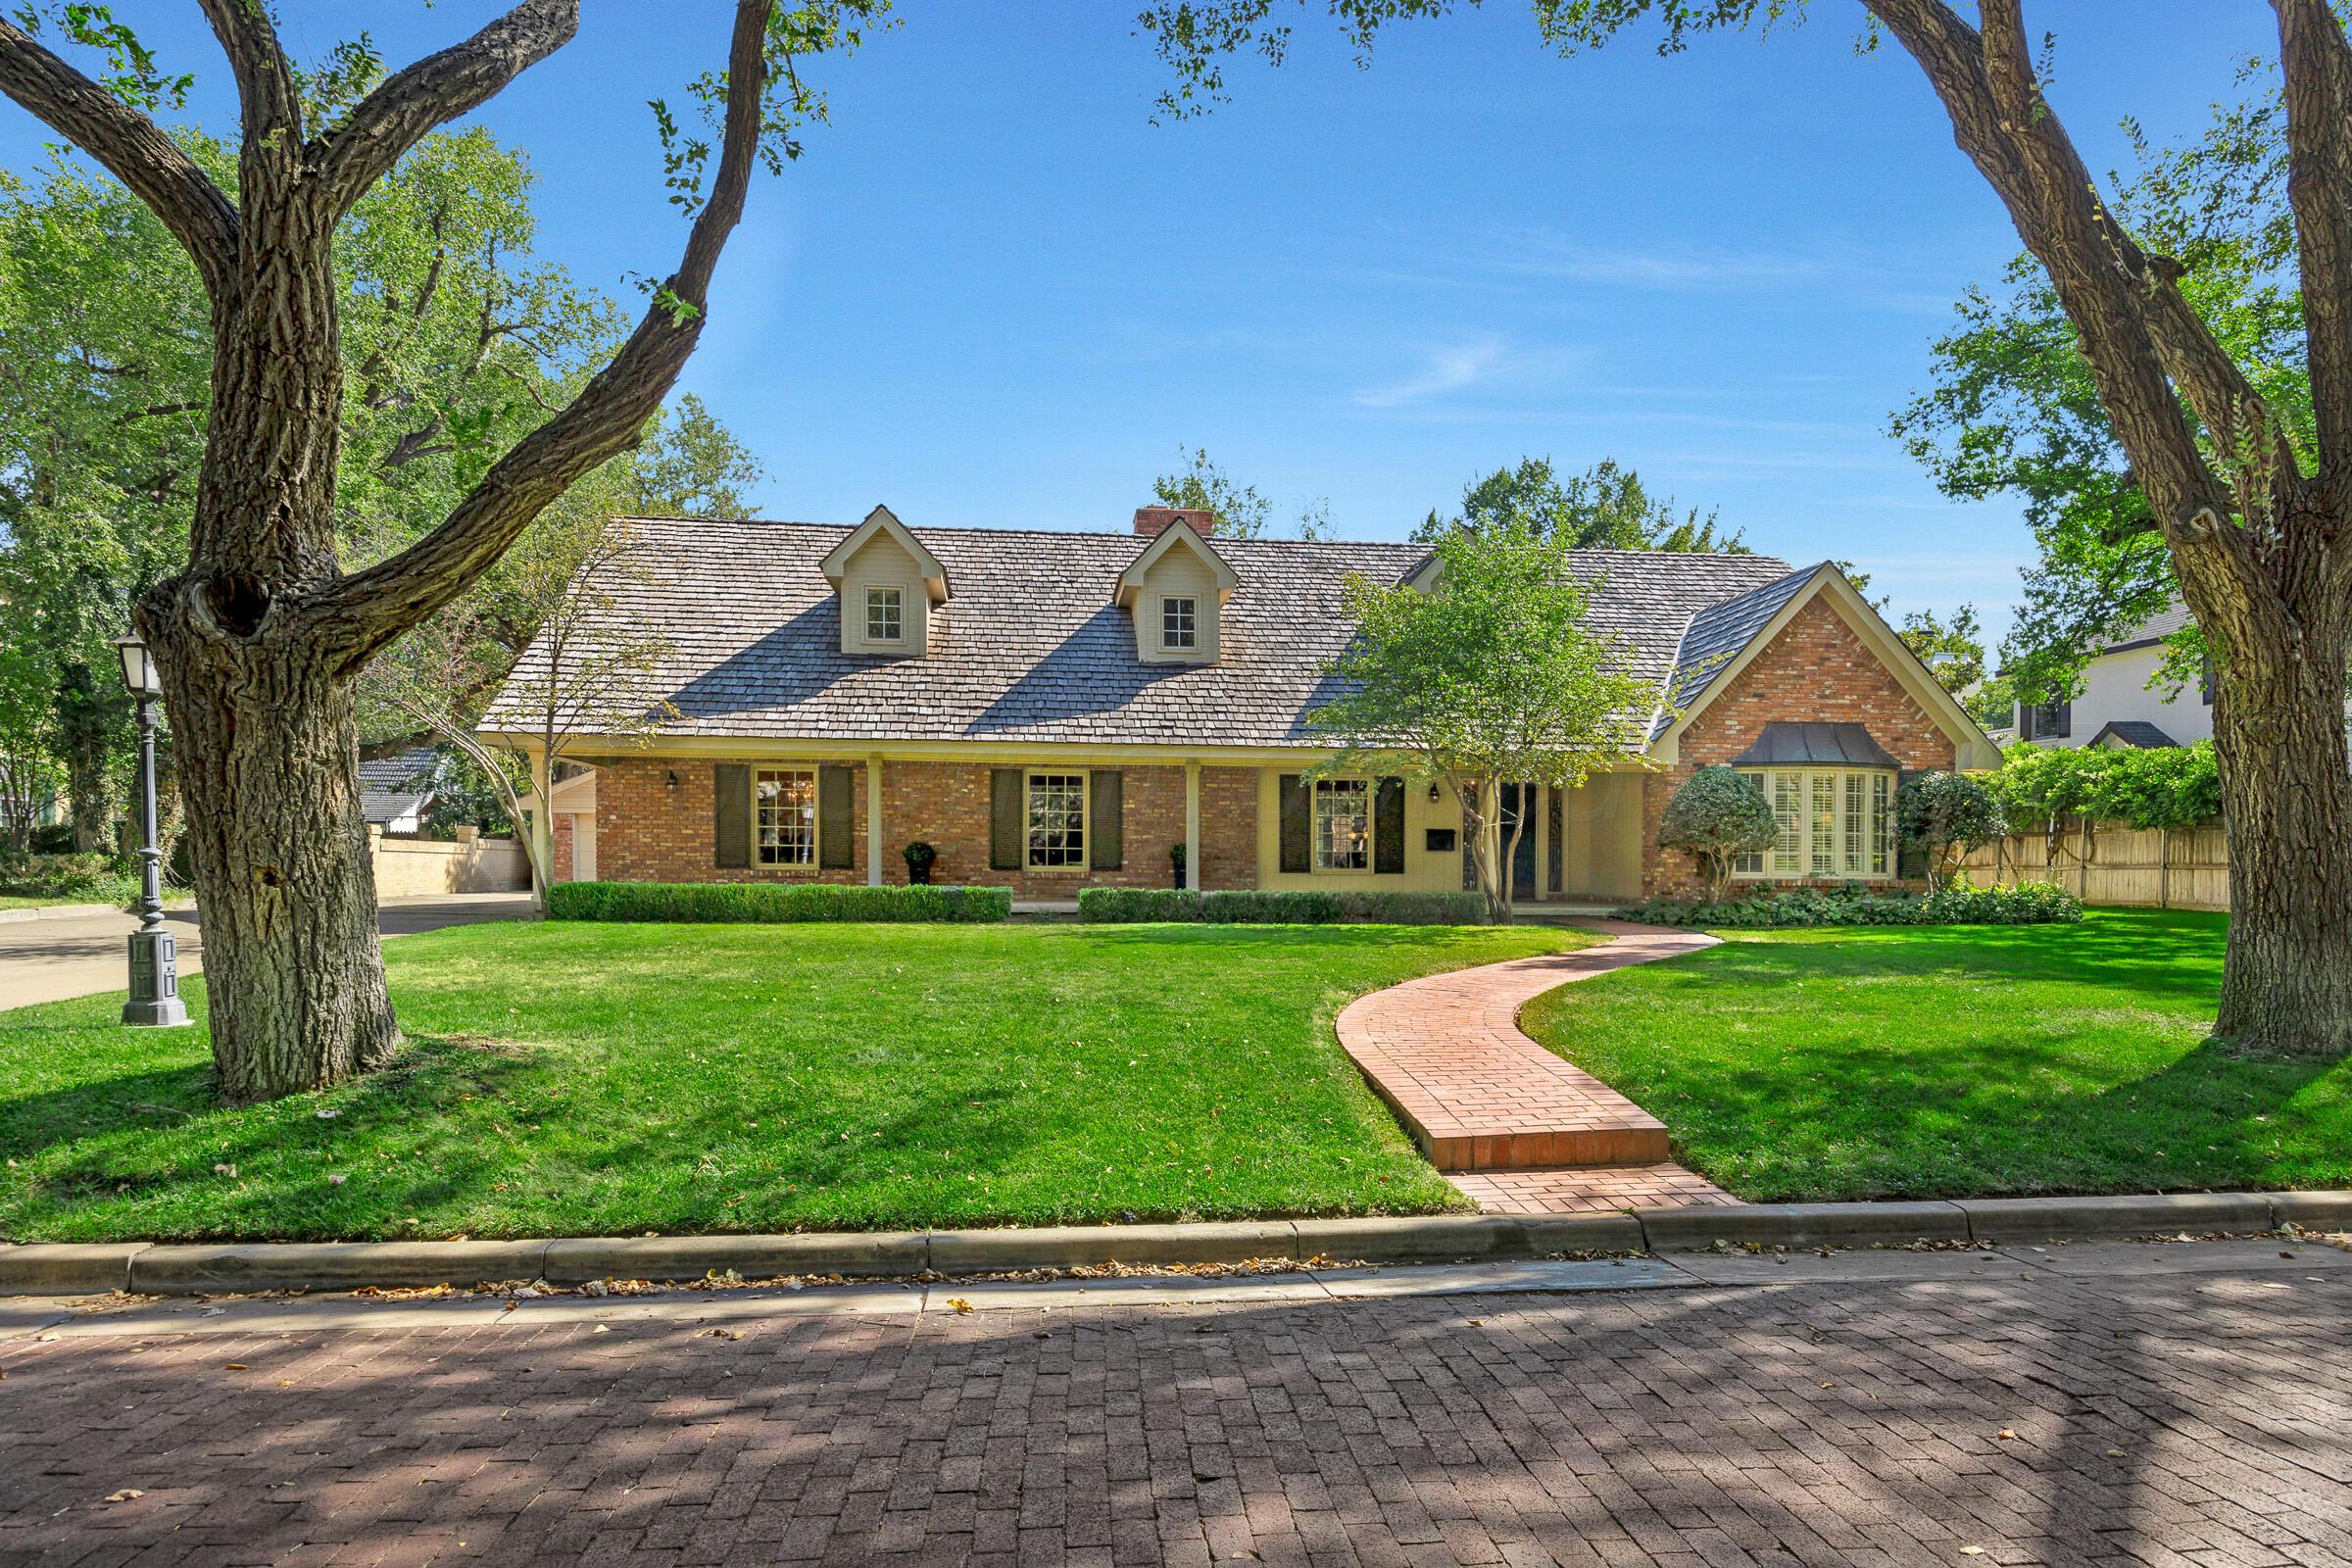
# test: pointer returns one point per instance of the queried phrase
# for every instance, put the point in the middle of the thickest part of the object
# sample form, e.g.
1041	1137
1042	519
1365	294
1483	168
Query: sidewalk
81	955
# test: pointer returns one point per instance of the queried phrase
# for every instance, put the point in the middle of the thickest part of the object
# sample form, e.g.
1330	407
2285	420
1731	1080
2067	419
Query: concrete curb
228	1268
59	912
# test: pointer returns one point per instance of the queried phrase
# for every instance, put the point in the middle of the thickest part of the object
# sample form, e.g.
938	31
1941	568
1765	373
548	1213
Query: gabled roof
2133	732
2155	629
1177	535
391	787
883	520
1721	638
1033	651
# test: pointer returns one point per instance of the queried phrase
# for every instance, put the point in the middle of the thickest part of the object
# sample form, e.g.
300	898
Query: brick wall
559	849
1817	671
649	831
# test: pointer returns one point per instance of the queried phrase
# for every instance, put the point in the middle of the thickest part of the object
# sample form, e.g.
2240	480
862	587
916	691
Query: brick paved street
2168	1419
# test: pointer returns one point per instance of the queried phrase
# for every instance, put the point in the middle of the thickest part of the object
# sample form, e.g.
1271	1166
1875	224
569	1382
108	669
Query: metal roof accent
1785	744
2133	732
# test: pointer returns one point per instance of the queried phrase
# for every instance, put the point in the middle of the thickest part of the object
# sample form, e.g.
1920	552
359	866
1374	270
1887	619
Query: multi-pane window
784	815
884	615
1178	622
1056	820
1828	822
1343	824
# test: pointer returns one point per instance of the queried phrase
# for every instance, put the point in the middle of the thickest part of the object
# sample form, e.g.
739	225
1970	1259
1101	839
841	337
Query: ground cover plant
1937	1061
2017	903
592	1078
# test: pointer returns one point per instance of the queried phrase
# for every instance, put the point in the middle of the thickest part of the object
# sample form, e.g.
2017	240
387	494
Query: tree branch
371	608
2103	280
269	102
133	150
2317	67
438	88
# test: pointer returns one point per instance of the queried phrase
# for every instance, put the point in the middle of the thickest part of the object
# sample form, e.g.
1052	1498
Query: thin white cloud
1537	255
1445	370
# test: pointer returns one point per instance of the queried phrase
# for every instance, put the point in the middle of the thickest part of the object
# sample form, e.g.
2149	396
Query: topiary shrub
772	902
1944	813
1716	816
1245	906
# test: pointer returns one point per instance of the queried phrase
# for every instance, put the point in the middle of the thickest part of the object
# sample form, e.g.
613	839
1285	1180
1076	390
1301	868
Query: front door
1523	863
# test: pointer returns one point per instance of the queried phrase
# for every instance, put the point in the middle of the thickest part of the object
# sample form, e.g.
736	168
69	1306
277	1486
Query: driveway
49	960
2183	1406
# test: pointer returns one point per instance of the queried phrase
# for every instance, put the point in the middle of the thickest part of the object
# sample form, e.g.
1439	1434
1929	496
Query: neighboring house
1054	710
2119	707
395	791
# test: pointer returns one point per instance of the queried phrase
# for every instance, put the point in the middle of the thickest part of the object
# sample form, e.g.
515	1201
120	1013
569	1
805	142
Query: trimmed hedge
773	901
2025	904
1241	906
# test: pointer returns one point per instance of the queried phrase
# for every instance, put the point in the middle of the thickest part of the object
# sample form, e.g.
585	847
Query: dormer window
885	613
889	584
1180	624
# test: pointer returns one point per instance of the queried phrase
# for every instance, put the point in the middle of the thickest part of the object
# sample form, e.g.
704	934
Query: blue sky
992	292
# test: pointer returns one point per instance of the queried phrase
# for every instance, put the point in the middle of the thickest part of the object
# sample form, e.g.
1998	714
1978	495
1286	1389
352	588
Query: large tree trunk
266	742
2286	805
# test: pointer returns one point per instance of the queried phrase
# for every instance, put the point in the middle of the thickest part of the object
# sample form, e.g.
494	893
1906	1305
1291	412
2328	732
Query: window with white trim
1178	622
1828	822
1056	820
784	815
1343	824
885	615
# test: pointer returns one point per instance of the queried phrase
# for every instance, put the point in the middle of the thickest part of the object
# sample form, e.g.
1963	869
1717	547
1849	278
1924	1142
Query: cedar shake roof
1030	647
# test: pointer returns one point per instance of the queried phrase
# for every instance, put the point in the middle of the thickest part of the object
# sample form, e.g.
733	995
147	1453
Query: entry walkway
1511	1124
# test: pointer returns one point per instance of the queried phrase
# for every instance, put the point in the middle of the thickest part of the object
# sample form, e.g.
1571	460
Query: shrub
2025	904
81	878
1718	815
1943	811
1243	907
772	902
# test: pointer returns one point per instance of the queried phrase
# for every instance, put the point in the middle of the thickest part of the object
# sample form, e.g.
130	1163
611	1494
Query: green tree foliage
1947	815
1243	511
1716	816
2160	787
1607	507
1490	677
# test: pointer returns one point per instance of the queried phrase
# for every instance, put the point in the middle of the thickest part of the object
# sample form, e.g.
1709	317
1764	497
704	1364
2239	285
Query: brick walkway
2171	1421
1446	1052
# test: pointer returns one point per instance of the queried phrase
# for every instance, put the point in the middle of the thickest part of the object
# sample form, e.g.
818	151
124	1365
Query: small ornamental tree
1490	677
1944	813
1717	815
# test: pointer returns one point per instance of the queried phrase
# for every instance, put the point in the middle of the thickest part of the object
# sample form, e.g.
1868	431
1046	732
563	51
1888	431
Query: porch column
873	821
1542	808
1192	825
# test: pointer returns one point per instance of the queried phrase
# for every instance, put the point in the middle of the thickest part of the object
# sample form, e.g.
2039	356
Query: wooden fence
2108	862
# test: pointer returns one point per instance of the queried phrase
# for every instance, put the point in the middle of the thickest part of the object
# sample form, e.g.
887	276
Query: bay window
1829	822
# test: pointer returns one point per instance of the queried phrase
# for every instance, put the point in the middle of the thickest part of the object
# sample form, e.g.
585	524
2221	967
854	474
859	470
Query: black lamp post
154	951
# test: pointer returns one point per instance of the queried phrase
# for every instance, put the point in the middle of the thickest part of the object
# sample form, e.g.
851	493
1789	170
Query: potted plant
919	857
1176	864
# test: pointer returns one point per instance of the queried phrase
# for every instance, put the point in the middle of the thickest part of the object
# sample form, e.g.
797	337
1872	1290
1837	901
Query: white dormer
886	582
1176	591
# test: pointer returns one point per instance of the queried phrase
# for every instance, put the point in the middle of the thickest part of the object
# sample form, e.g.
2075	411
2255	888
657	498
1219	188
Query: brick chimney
1153	521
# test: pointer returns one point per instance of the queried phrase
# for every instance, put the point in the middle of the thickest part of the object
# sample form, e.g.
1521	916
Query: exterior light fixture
154	951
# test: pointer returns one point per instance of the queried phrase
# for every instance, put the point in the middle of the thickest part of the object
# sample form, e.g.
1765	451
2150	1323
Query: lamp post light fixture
154	951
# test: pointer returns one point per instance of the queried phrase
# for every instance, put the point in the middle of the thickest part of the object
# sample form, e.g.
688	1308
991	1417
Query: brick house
1052	711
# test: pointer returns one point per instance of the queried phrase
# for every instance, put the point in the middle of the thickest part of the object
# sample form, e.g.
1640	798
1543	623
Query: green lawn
586	1079
1941	1061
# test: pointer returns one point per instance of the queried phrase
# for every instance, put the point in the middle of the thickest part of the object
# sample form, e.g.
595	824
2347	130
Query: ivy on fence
2168	787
